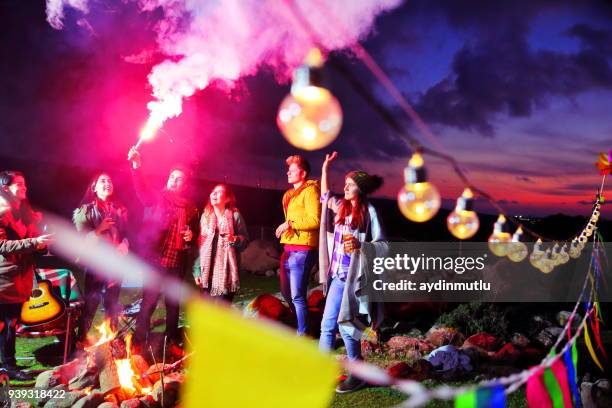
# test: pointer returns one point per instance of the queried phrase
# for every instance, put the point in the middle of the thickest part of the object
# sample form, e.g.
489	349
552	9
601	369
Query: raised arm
324	181
145	194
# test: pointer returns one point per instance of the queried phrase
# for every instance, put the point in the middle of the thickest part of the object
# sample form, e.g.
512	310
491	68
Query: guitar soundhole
36	293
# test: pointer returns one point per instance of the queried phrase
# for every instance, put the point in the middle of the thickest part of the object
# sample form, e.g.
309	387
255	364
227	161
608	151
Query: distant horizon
158	176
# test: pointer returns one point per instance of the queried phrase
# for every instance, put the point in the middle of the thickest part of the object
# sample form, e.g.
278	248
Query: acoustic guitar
43	307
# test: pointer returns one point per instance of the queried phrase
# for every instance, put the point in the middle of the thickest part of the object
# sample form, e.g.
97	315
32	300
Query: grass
45	353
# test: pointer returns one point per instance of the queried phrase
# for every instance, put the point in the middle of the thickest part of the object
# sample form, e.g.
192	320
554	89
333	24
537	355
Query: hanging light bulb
554	253
463	221
310	117
546	264
588	231
418	200
500	238
518	250
536	254
563	255
583	238
574	251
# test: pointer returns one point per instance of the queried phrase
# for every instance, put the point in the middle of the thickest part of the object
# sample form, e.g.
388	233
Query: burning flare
225	40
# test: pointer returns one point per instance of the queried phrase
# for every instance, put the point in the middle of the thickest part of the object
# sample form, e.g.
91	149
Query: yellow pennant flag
239	363
589	345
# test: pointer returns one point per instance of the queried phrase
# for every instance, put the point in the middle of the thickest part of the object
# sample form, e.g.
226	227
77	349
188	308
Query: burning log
139	364
109	377
120	378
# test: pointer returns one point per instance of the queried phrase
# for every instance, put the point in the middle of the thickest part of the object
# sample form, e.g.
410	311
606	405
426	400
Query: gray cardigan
355	299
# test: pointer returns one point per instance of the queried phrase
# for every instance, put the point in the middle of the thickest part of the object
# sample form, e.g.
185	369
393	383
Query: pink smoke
222	41
55	10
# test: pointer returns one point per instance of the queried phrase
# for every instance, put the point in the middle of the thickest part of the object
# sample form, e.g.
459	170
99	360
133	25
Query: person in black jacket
101	217
170	223
18	242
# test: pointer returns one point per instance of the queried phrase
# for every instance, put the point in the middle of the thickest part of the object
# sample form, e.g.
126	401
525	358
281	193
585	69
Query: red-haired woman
223	235
100	215
351	233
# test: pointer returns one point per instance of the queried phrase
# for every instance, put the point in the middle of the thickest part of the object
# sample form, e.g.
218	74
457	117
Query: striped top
340	260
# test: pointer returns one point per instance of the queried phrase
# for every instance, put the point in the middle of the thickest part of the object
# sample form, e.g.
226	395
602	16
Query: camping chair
64	327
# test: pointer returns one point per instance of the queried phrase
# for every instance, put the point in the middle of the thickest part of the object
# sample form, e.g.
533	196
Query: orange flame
128	345
126	374
125	371
106	334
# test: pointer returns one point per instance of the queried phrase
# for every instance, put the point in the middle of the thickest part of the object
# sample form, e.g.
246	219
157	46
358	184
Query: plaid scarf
172	246
224	268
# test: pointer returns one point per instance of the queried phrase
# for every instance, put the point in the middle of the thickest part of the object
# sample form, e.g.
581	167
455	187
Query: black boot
350	384
16	374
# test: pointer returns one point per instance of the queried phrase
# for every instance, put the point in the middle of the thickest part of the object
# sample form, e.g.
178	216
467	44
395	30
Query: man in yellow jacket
300	236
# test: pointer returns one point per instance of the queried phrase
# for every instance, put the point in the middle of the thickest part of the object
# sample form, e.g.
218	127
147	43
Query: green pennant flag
553	388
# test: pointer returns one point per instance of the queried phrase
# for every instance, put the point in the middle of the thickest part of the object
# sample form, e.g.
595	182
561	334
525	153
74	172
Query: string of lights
318	118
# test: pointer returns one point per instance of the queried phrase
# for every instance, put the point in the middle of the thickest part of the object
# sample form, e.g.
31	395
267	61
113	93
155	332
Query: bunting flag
242	363
589	345
597	333
553	389
572	376
537	395
493	396
599	314
560	372
604	164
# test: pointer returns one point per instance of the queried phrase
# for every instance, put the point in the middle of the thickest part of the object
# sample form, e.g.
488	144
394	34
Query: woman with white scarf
223	235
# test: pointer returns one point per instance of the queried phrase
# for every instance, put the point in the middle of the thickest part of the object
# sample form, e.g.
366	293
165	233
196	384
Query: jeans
295	267
94	286
149	302
9	313
329	323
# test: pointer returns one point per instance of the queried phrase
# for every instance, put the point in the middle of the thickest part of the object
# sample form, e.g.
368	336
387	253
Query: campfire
109	372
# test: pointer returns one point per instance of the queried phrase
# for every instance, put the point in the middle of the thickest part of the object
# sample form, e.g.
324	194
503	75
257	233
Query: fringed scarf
224	268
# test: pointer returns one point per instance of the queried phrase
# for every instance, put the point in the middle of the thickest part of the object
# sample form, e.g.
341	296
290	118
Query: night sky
519	92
